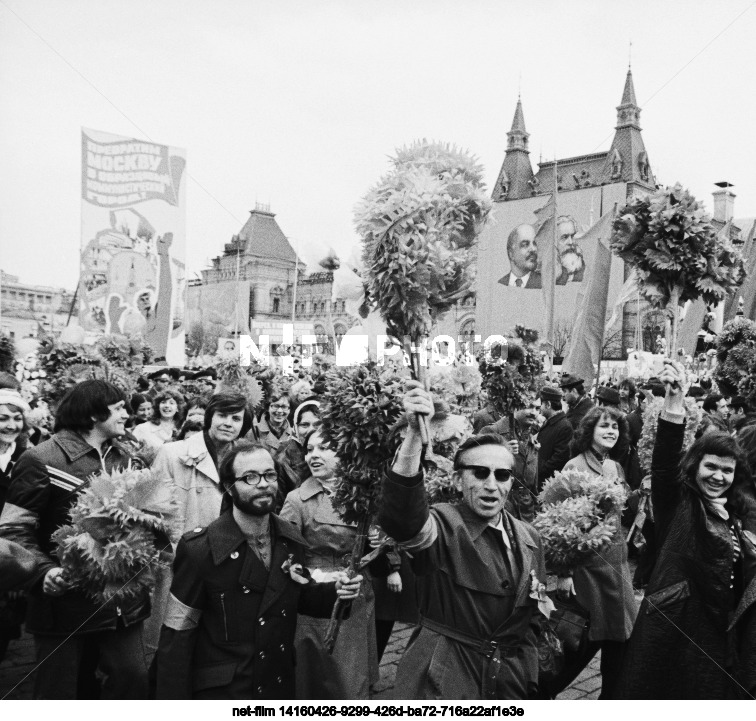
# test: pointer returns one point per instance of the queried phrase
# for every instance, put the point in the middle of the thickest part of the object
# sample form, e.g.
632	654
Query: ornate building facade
258	283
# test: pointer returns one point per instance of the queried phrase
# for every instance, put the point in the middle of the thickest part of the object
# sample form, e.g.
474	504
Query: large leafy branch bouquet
736	358
418	226
358	409
676	253
580	517
508	384
120	532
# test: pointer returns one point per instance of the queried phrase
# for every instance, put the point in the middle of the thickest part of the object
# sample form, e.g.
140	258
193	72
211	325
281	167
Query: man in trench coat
478	569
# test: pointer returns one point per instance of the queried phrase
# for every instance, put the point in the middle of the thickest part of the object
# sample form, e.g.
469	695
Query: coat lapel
278	579
526	559
196	449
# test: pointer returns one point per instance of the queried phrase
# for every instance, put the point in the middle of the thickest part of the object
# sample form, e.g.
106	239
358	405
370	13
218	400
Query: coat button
245	589
235	555
261	621
283	612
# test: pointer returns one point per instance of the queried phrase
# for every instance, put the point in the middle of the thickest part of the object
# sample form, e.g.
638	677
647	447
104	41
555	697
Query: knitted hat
9	397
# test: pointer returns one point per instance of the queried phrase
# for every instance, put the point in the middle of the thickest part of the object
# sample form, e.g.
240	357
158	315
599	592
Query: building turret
516	176
627	160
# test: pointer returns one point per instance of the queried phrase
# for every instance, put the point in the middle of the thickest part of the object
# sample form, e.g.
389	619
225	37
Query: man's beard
572	261
259	506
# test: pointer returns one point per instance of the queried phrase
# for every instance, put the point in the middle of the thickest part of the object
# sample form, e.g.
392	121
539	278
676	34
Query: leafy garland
120	532
736	358
667	237
358	409
418	226
509	384
580	517
693	416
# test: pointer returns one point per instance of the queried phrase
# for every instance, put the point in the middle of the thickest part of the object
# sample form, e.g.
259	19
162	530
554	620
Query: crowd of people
261	554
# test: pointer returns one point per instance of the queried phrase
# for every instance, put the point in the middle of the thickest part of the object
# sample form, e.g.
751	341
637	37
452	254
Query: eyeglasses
253	478
481	473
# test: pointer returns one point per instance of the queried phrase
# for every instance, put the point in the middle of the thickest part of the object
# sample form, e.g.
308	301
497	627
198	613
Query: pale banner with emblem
133	239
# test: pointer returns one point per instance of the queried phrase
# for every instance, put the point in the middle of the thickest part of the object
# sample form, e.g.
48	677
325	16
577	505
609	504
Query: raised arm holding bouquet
668	240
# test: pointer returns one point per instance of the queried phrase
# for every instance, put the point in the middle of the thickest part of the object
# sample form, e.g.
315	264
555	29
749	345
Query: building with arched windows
258	283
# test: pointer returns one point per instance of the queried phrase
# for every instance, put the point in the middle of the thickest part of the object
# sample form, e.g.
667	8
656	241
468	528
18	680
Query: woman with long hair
164	424
602	585
349	672
696	630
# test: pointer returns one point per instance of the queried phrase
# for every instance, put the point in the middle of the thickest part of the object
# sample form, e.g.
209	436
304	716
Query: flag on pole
627	293
694	318
588	330
545	240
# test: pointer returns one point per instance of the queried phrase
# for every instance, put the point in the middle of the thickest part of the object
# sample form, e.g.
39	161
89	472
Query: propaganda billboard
133	275
509	282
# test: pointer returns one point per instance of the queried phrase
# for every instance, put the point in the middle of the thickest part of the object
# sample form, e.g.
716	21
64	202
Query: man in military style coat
238	585
476	568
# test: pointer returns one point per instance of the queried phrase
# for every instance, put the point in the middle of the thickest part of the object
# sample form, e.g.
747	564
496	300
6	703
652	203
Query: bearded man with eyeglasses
476	568
238	585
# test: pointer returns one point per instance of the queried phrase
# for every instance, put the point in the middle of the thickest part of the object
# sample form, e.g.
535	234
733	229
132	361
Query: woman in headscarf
696	632
13	442
292	466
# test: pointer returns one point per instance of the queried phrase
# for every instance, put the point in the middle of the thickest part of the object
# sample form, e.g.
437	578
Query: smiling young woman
696	632
603	584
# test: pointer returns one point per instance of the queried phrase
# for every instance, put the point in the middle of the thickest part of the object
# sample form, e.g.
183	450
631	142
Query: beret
551	393
608	395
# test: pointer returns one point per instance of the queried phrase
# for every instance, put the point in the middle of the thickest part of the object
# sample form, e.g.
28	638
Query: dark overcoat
555	436
457	591
680	647
603	582
230	624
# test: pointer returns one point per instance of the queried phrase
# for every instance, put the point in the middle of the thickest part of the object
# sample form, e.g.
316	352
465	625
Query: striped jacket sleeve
28	495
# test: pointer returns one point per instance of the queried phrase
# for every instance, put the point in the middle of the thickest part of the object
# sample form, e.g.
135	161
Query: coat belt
491	648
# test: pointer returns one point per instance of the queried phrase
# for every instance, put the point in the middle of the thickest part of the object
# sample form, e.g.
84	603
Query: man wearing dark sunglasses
476	568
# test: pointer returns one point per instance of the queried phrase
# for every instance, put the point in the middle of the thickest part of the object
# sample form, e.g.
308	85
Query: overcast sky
298	104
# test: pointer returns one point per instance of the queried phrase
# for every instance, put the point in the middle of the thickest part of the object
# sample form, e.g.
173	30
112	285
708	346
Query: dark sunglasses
481	473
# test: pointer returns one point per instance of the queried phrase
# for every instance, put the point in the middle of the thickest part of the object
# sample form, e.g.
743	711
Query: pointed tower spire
517	137
627	160
628	112
516	175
